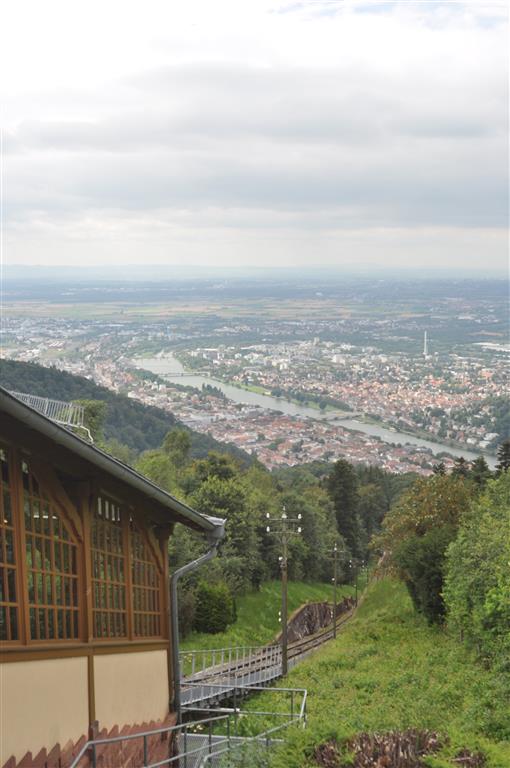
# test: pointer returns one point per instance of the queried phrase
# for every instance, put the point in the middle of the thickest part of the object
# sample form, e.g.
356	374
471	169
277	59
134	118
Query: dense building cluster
352	375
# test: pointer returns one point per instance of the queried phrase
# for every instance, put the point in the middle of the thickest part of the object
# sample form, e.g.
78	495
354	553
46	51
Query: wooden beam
20	543
91	685
58	650
34	443
50	483
84	493
149	537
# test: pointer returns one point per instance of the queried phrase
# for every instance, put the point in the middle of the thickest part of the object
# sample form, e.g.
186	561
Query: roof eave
213	527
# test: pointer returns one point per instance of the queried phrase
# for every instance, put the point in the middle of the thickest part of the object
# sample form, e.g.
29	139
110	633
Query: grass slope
389	670
257	614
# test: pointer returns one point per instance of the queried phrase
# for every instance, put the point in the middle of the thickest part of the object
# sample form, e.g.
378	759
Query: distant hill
140	427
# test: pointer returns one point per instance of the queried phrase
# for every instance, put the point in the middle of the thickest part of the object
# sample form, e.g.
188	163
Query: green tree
177	444
342	484
371	509
216	464
477	583
239	552
480	471
119	451
429	503
213	607
416	533
420	560
503	464
461	468
94	417
158	467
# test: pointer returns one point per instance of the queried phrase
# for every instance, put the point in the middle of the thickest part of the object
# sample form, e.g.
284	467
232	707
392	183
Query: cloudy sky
255	132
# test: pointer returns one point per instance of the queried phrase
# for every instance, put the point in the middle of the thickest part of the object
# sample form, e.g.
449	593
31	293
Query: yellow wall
42	703
131	687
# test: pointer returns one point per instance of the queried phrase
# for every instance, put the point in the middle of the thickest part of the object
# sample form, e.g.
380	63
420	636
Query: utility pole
335	575
284	527
334	553
285	639
353	571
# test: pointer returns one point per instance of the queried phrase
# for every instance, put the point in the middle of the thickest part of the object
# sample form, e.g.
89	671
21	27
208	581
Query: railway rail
208	677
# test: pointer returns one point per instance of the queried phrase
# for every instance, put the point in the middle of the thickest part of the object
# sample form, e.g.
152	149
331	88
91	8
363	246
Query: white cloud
255	130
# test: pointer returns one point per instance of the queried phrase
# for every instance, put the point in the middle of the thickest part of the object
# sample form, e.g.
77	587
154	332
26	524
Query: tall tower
425	345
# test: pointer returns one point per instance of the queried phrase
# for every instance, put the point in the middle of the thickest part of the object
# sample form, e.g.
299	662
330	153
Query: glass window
109	570
146	584
9	608
52	567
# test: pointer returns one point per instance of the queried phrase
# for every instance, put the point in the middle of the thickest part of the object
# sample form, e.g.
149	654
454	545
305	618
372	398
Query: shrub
186	609
477	582
214	608
420	560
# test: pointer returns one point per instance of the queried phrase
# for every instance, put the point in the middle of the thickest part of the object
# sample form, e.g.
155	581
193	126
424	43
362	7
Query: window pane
146	590
7	508
8	558
108	559
49	569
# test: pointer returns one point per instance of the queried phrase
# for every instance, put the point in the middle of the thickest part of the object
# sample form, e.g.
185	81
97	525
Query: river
172	370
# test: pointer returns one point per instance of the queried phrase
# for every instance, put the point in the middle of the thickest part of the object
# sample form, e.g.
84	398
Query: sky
255	133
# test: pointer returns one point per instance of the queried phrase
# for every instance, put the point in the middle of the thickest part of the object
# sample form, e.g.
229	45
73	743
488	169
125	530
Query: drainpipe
213	538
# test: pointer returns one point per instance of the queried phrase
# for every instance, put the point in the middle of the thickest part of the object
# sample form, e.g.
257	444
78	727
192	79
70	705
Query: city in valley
397	374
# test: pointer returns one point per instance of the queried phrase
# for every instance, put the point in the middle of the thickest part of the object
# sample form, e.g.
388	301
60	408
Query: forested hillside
337	503
131	423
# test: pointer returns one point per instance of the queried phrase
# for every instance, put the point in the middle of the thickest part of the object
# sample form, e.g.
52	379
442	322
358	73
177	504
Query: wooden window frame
77	517
106	555
131	516
16	566
150	568
54	573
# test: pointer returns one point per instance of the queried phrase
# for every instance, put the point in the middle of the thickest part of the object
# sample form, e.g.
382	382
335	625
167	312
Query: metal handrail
92	744
213	741
209	660
264	737
239	655
254	688
64	413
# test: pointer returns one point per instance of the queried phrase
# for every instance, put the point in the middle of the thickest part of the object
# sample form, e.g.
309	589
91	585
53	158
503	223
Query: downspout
213	537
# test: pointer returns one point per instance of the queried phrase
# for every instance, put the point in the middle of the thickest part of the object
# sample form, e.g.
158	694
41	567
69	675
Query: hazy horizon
197	272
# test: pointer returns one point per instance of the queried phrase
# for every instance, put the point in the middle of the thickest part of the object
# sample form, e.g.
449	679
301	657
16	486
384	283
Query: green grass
257	614
389	670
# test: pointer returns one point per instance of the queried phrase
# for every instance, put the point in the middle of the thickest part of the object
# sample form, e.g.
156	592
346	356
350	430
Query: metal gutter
39	423
214	540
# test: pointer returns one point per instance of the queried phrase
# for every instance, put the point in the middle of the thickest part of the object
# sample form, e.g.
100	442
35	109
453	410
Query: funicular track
209	677
212	715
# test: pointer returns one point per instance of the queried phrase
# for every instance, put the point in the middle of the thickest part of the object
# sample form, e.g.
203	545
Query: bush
421	560
186	610
214	608
477	583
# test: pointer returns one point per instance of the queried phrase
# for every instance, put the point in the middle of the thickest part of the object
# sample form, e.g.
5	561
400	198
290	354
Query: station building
85	614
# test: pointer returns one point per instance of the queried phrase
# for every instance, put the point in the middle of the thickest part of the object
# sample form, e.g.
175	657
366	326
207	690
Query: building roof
213	527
